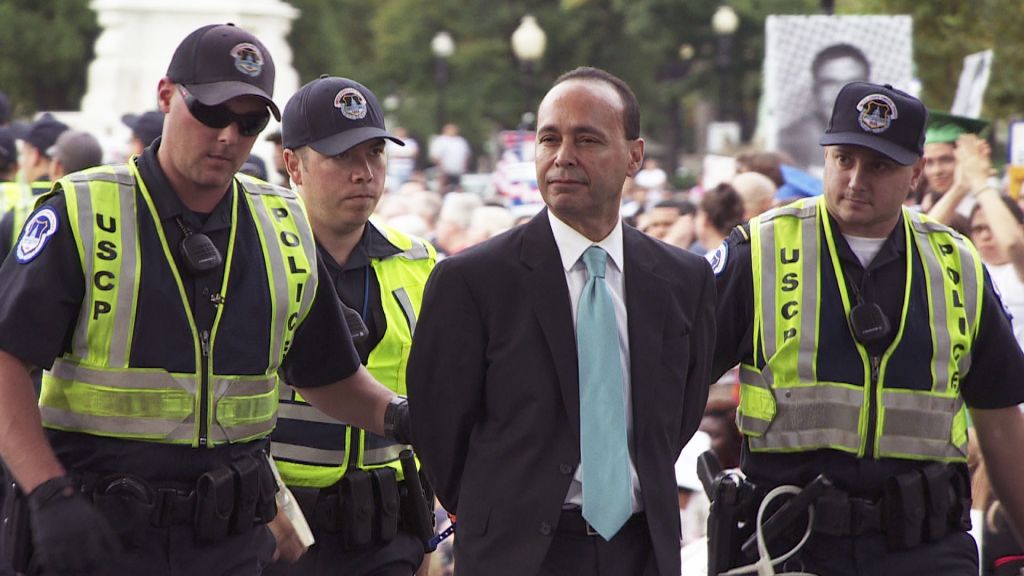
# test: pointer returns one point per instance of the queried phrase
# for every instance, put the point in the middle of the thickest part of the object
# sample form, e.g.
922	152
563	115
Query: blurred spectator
146	127
36	140
254	166
427	205
401	159
719	212
940	162
487	222
5	110
757	192
767	163
450	153
451	232
797	184
282	179
75	150
719	423
659	220
8	155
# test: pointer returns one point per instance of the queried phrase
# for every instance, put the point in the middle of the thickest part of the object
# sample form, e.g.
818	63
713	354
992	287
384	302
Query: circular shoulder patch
40	227
718	258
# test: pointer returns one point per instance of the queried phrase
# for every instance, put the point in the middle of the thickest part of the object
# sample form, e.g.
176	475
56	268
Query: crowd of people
863	332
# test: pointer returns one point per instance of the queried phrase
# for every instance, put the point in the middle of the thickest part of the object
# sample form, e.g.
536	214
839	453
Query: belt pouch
939	497
327	512
905	511
15	534
247	492
266	503
356	489
128	503
215	500
385	486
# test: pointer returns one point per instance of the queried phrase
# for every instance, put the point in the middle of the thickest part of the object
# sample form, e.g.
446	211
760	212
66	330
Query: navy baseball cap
219	62
879	117
43	133
146	126
331	115
8	151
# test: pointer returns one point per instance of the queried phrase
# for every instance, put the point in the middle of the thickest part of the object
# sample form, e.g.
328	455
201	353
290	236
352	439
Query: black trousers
573	552
954	555
173	552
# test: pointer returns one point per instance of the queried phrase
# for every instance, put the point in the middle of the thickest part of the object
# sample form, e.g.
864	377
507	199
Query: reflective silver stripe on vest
809	287
920	423
119	426
154	379
306	454
303	412
407	308
306	233
746	422
125	282
417	252
936	272
276	261
823	415
378	450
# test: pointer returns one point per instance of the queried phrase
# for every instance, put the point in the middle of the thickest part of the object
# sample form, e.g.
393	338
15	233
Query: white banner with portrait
809	58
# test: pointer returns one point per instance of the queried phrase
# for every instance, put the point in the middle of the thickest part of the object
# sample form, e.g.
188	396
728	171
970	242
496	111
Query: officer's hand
289	546
70	536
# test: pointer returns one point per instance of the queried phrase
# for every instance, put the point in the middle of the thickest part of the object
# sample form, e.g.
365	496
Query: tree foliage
45	49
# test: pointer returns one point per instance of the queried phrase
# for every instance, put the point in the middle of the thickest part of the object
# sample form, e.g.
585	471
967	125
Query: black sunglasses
222	117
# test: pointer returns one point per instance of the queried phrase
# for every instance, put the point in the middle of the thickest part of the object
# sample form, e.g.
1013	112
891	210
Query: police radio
869	323
198	252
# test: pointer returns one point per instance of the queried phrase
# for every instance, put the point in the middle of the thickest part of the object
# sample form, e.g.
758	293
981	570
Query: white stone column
136	43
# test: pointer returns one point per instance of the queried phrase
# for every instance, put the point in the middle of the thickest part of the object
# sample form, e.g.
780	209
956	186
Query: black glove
397	425
69	535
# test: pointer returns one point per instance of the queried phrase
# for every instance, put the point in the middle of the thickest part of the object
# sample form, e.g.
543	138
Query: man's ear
164	94
292	162
636	156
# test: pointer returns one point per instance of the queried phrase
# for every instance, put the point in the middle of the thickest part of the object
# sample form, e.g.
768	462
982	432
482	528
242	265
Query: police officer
866	333
334	140
163	297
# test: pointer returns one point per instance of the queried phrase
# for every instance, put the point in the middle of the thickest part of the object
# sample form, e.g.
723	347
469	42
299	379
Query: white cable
765	565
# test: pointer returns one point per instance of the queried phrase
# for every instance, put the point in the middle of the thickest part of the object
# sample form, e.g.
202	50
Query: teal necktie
604	455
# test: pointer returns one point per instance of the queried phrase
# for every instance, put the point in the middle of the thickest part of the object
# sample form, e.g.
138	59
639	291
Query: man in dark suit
501	391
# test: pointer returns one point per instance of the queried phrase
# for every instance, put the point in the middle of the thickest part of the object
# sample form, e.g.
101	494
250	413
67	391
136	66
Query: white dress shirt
571	246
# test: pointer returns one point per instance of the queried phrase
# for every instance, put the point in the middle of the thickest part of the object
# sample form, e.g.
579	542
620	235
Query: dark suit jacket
494	397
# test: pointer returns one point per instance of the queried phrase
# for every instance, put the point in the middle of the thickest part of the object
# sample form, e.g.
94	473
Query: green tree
45	49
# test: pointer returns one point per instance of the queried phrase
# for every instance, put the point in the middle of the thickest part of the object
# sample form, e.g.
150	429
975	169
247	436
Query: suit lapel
644	294
550	297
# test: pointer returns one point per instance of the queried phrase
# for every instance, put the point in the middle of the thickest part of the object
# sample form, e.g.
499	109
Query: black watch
393	416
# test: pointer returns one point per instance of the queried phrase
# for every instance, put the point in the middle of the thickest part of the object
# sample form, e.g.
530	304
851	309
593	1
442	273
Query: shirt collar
571	244
373	244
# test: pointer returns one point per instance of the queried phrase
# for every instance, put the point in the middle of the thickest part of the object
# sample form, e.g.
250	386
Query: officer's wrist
393	416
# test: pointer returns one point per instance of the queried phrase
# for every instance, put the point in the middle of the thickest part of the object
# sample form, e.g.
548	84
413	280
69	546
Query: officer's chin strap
765	565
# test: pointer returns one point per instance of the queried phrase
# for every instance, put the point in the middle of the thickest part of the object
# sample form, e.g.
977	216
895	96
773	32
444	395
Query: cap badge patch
351	103
248	59
877	111
36	233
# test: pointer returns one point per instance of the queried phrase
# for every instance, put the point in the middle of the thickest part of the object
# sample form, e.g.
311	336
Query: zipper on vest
204	345
876	362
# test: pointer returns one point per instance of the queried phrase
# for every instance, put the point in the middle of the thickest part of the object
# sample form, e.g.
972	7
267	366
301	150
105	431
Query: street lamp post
442	46
528	44
724	23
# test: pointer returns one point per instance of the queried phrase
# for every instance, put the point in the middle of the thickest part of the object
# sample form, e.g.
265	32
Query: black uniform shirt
992	382
42	298
358	288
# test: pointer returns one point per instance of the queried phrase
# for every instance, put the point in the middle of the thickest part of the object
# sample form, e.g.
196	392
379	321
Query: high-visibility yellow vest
313	450
904	404
24	204
11	193
93	388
